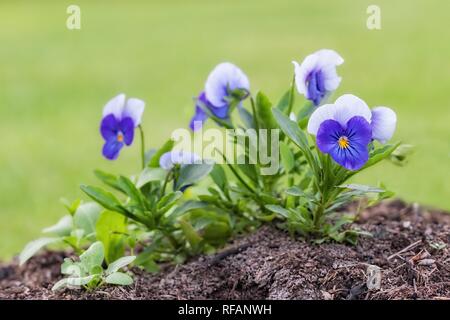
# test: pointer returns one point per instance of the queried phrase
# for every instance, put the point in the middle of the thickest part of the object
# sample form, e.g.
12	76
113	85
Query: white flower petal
115	106
322	113
331	78
134	108
349	106
169	159
224	75
329	57
384	121
303	70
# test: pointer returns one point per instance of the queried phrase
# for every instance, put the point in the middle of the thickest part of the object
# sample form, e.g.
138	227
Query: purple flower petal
198	119
111	149
115	106
127	130
359	131
316	87
347	146
328	135
109	127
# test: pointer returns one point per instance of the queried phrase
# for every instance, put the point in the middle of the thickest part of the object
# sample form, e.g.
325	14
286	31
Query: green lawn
54	83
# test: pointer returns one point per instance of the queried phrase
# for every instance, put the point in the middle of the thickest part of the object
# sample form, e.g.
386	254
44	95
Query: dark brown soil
410	244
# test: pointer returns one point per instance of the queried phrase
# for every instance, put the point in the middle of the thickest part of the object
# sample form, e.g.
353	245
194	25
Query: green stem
255	116
142	146
291	96
166	180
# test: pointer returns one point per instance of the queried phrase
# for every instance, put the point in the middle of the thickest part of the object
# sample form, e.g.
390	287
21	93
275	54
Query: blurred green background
54	83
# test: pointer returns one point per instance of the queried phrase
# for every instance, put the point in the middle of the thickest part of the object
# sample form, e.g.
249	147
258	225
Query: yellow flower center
120	137
343	142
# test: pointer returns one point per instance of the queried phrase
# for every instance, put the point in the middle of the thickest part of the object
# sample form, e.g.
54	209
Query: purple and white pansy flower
120	117
316	76
220	84
345	128
177	157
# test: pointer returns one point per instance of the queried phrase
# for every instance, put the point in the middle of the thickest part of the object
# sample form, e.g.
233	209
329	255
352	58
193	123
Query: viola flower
178	157
316	76
120	118
344	129
221	82
218	93
201	116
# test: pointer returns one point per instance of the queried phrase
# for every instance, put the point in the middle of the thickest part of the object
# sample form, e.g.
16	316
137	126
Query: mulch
408	254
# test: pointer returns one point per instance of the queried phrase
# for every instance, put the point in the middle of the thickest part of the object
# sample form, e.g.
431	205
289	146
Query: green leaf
292	130
86	217
70	206
108	179
150	175
168	200
287	157
191	173
362	188
73	282
104	198
305	113
34	246
400	155
131	191
380	154
283	104
264	112
119	264
168	146
93	256
191	235
62	228
246	118
219	177
277	209
119	278
109	230
295	191
184	208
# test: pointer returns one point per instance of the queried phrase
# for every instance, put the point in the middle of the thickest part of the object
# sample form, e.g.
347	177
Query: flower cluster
322	146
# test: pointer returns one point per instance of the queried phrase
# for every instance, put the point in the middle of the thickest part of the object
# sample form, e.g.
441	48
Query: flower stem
142	146
291	96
